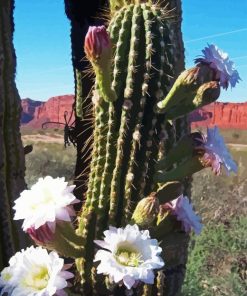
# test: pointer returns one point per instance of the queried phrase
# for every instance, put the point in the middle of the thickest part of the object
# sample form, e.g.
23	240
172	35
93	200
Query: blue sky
42	42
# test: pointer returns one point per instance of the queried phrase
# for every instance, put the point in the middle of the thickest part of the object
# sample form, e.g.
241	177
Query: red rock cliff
28	109
52	110
224	115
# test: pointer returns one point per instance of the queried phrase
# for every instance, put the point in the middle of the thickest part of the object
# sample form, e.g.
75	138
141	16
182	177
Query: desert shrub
235	136
50	159
217	261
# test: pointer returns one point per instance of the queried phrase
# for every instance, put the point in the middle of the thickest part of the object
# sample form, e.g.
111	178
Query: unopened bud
146	211
96	41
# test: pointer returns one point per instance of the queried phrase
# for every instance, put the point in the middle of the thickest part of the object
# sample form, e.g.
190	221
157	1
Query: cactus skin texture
129	137
12	166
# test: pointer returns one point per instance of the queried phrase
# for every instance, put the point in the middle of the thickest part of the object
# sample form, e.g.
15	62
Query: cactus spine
128	133
11	150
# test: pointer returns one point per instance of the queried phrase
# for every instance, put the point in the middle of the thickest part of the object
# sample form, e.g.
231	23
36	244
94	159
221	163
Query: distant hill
36	113
224	115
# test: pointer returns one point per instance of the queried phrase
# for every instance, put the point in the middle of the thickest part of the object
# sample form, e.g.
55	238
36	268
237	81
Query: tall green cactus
130	136
11	151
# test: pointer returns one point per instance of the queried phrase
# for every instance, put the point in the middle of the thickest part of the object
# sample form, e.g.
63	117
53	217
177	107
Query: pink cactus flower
183	210
216	152
97	40
219	61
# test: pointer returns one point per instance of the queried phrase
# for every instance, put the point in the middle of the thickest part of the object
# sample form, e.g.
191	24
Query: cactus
137	165
81	18
129	135
11	150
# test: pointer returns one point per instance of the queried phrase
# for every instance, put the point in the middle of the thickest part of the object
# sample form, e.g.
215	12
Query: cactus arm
191	165
104	78
177	95
182	149
206	94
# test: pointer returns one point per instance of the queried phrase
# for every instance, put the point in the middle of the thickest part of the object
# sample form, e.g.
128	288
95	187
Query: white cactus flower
130	256
35	272
47	201
7	274
220	62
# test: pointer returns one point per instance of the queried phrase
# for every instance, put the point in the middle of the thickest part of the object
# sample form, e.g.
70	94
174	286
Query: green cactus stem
193	89
184	148
129	133
184	170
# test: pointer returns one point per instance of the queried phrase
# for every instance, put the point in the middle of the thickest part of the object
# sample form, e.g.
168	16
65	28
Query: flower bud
42	235
146	211
97	42
98	50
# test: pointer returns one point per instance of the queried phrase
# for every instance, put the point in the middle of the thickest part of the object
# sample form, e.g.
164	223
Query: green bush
217	261
50	159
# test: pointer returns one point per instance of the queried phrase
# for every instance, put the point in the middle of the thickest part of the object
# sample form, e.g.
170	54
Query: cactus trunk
129	136
12	166
81	18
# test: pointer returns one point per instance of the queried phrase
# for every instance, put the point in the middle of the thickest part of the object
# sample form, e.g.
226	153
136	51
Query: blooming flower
48	201
216	152
35	272
220	62
195	152
130	255
6	275
182	209
199	85
96	41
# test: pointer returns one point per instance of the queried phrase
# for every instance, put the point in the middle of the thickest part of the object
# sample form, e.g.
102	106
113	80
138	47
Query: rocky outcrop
28	109
50	111
224	115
